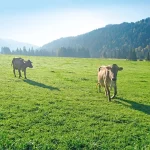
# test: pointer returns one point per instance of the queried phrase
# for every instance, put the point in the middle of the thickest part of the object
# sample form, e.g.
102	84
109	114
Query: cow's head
113	71
29	64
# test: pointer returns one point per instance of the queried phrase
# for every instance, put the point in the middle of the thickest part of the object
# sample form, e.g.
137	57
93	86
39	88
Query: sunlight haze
40	22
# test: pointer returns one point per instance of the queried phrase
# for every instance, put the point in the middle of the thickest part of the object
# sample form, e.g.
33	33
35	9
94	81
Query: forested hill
110	41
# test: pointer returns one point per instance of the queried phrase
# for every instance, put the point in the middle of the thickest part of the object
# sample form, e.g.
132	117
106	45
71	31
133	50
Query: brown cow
20	64
107	77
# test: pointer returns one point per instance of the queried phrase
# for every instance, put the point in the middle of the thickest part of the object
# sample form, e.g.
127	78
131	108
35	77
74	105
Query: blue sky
41	21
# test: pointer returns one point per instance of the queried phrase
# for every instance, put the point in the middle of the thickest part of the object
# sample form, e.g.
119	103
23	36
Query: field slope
58	106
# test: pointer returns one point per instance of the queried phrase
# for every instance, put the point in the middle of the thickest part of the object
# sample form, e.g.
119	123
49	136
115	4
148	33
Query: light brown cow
107	77
20	64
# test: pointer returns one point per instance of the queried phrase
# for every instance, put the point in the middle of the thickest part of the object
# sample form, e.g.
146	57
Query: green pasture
59	108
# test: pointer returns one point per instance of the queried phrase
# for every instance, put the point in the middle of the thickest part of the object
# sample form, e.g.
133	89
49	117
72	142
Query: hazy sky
42	21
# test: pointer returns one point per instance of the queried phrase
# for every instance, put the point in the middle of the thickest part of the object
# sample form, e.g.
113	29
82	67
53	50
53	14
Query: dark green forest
125	40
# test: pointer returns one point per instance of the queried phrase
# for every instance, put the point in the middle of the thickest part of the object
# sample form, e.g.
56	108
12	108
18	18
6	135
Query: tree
32	52
132	55
148	56
24	51
5	50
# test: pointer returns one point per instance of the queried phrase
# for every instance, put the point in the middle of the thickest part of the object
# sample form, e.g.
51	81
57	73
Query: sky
39	22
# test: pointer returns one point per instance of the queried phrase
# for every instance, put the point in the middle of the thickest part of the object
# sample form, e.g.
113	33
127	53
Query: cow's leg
99	87
106	88
115	91
14	72
25	74
107	92
19	73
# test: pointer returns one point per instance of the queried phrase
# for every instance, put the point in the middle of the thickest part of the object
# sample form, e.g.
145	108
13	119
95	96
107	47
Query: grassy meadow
59	107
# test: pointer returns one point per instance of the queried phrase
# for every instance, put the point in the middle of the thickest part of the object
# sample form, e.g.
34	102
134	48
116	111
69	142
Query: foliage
148	56
132	55
71	52
5	50
58	106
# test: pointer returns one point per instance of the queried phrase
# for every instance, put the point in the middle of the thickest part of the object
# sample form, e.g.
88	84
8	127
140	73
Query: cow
20	64
107	77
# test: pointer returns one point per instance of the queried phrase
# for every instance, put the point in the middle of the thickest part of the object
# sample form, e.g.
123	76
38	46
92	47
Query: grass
59	107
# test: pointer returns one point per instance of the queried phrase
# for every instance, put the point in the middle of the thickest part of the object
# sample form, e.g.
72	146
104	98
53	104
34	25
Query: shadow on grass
134	105
35	83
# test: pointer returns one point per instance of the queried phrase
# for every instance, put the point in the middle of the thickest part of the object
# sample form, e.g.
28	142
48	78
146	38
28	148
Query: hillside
109	41
13	45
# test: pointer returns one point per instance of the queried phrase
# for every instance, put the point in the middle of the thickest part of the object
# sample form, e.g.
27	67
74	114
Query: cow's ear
120	68
30	61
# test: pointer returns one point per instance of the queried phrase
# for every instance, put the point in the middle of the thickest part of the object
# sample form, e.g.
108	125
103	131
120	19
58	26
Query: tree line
24	51
61	52
132	54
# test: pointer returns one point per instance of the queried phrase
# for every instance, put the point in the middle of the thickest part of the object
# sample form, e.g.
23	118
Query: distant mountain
13	45
110	41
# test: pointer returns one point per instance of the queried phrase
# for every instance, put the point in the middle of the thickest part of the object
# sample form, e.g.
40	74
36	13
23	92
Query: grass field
59	107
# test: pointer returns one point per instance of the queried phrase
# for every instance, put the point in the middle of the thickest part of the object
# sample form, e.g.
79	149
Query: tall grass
59	107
